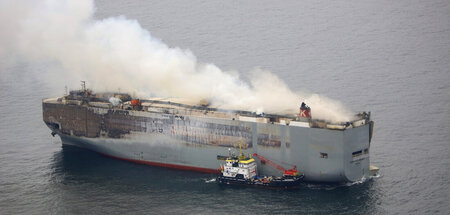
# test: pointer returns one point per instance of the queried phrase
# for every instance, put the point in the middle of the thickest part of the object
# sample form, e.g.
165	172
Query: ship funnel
305	111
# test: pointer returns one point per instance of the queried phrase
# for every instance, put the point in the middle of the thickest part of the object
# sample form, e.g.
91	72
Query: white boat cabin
239	167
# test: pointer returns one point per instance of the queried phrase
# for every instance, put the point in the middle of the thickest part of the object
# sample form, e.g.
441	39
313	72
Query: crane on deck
286	172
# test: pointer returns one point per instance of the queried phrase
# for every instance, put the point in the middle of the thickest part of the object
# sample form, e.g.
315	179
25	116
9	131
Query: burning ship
176	134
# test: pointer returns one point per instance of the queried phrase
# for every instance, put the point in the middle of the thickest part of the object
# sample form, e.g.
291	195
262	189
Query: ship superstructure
178	134
239	167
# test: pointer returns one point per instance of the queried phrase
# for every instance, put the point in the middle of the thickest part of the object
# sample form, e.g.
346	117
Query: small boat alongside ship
242	170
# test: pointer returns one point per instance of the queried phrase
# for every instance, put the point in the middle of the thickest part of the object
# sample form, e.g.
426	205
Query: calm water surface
392	58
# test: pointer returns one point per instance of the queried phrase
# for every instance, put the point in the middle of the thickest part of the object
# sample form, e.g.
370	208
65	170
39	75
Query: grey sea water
388	57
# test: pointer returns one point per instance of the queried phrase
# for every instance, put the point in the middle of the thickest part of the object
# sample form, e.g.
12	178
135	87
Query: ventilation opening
323	155
357	153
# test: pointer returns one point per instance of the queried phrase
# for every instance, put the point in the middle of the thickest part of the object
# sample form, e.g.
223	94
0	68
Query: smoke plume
117	52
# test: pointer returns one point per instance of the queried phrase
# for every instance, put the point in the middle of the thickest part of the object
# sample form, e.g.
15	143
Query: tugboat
241	170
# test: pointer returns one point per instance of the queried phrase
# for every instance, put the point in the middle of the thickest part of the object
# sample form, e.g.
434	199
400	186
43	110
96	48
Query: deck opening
324	155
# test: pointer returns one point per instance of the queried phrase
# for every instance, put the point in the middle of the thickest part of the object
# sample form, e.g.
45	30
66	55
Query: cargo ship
176	134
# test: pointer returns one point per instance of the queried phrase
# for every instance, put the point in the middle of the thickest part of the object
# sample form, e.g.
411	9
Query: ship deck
184	107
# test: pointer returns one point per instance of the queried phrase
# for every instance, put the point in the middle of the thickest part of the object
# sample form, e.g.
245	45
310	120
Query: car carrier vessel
175	134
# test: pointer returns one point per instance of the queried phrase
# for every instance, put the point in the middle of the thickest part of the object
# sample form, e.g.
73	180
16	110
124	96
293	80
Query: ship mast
241	155
83	86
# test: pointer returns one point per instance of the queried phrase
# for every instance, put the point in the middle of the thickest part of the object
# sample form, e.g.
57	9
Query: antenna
65	90
241	155
240	148
83	85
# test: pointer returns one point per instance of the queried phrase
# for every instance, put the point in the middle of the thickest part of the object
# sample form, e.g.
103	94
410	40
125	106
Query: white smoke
118	53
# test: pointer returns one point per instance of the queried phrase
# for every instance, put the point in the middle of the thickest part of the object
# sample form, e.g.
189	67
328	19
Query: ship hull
193	142
274	183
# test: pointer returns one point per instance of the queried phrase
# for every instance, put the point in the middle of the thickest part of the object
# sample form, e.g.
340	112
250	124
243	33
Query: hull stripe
166	165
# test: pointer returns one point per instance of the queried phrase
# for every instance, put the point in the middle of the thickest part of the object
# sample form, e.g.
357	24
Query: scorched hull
188	141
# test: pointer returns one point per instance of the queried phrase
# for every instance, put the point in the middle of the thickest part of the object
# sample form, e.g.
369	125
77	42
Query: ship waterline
188	137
